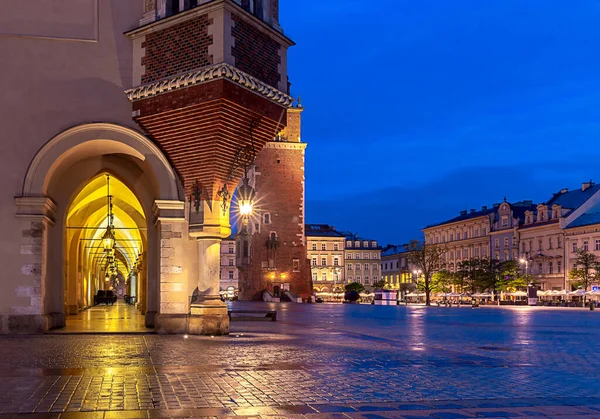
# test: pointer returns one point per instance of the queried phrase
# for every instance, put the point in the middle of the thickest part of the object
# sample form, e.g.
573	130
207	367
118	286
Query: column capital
36	208
169	211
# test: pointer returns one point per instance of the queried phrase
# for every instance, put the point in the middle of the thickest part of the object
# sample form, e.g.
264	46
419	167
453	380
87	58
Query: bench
269	315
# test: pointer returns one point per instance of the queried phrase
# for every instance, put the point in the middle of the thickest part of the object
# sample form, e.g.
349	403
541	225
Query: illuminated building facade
363	260
395	268
326	256
160	95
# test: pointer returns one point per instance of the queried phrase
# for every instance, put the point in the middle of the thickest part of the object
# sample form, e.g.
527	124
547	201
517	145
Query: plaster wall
65	63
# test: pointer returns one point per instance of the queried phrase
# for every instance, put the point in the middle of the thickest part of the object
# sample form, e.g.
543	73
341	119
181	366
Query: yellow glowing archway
86	260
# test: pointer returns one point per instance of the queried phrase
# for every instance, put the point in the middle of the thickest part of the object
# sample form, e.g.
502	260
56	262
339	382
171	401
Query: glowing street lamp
108	239
525	262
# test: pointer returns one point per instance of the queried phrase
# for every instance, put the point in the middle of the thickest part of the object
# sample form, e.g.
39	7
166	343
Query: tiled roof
321	230
464	217
394	250
573	199
591	216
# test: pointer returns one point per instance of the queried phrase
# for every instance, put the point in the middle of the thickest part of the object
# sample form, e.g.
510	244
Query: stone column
30	312
208	314
175	267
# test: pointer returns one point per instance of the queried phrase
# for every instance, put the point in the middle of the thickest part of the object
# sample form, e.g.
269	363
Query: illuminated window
296	265
323	246
314	246
323	261
314	276
336	247
324	276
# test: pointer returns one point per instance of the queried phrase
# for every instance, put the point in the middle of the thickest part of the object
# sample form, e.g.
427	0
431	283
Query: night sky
416	110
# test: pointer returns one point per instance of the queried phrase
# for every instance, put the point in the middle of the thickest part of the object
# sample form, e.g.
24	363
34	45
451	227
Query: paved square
318	361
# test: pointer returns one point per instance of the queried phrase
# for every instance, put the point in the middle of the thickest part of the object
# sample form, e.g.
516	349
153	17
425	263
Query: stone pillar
29	313
208	315
176	267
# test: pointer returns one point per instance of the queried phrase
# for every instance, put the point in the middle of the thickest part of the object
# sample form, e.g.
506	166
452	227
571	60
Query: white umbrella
452	294
578	293
518	294
412	294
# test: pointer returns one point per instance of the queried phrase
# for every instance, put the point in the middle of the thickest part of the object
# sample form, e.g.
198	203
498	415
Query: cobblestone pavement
319	361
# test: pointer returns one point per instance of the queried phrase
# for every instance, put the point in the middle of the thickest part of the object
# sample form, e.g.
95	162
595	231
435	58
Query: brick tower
277	260
210	83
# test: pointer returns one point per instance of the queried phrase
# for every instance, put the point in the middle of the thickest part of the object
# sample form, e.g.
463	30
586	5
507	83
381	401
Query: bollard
591	306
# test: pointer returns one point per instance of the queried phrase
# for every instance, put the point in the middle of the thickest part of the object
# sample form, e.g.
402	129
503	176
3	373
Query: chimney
565	190
483	208
586	185
463	212
472	210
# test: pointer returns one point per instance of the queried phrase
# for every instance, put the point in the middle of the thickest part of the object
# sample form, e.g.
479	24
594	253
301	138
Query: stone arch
62	168
95	139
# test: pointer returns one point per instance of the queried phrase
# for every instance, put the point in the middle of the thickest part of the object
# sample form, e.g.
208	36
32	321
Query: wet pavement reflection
320	361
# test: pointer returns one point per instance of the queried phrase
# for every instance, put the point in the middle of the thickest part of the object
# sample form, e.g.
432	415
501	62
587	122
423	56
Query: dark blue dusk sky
418	109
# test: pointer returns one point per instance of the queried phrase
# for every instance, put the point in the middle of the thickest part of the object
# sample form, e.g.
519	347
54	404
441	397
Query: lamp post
531	290
525	262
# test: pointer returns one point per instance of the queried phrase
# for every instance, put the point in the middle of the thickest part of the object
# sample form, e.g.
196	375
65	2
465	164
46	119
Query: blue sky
416	110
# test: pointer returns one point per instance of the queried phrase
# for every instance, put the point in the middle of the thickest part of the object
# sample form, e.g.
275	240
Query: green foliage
442	281
511	277
429	259
585	269
380	285
355	286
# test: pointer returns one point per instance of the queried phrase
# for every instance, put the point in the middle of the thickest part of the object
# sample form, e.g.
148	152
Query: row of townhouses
546	235
336	258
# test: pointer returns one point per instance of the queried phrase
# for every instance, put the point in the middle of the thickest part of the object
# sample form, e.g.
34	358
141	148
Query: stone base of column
172	324
150	319
11	324
209	317
72	309
57	320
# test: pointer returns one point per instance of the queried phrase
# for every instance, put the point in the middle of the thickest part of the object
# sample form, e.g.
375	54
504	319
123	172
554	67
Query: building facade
504	238
229	271
465	236
326	256
276	259
542	236
142	194
363	260
395	269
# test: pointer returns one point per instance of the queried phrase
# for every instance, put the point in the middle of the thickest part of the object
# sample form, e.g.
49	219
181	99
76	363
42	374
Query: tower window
172	7
278	161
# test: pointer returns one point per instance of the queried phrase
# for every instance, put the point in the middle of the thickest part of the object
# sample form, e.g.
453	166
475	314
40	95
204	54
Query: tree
442	281
355	286
511	277
380	285
429	259
585	269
